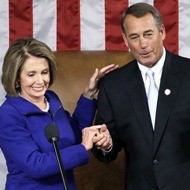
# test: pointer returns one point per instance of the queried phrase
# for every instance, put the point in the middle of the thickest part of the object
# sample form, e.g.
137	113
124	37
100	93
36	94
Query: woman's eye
30	74
45	72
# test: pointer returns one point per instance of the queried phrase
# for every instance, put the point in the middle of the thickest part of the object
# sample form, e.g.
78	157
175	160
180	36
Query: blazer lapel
170	82
136	91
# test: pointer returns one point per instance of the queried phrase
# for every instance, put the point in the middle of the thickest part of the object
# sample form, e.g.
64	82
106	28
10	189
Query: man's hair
140	9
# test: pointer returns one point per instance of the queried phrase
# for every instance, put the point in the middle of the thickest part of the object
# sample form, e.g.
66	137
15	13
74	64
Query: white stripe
92	14
3	170
184	28
131	2
4	40
4	44
45	22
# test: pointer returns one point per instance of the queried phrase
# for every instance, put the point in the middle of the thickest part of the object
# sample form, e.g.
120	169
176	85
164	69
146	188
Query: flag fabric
85	24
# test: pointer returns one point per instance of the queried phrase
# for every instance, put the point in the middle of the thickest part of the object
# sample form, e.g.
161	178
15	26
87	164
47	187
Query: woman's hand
88	134
97	135
103	139
92	87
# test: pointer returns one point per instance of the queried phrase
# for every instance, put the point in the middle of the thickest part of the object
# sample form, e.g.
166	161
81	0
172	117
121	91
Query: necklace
47	106
46	102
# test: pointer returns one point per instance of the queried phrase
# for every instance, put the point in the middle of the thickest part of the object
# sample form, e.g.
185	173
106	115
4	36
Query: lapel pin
167	92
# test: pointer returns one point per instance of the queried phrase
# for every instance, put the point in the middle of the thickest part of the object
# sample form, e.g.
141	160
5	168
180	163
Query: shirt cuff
106	151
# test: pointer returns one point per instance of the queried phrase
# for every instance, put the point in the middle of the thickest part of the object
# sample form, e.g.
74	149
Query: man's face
144	39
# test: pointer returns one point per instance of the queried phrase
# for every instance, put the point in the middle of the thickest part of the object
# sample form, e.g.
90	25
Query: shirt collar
157	68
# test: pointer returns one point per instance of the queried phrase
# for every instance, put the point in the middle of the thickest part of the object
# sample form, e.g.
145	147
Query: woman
28	71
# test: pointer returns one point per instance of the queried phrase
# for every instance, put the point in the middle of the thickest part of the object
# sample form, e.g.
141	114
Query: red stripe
20	19
113	11
169	12
68	25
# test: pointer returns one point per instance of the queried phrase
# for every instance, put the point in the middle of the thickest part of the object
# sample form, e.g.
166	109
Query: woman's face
34	78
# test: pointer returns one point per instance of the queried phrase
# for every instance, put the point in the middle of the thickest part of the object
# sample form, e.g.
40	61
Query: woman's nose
39	79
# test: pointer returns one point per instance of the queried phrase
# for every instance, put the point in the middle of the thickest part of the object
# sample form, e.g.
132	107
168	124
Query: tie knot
150	74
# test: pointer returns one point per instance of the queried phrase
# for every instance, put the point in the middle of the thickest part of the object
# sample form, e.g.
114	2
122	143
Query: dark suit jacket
157	159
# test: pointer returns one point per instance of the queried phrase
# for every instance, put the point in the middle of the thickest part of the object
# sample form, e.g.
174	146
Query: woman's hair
140	9
15	57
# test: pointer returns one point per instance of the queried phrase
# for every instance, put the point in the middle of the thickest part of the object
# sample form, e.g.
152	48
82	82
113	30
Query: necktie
152	96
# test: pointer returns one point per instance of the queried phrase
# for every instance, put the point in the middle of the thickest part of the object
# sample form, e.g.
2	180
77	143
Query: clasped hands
97	135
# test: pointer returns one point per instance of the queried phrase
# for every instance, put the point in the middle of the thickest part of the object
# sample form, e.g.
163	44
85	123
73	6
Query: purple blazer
30	158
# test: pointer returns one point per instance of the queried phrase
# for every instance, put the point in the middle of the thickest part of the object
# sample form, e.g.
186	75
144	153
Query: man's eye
148	35
134	37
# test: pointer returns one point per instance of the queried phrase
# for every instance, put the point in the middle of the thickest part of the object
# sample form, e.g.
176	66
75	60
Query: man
157	147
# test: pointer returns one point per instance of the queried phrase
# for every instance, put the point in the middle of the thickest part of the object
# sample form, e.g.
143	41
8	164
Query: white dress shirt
157	69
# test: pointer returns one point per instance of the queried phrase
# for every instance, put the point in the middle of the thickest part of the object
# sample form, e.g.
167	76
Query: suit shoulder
124	69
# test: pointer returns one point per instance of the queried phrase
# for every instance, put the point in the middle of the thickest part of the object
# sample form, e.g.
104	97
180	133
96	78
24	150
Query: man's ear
163	32
125	39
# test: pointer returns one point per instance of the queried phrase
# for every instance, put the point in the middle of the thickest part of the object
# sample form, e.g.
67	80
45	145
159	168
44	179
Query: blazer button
155	162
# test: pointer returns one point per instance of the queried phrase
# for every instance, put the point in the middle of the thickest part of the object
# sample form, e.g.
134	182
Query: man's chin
146	61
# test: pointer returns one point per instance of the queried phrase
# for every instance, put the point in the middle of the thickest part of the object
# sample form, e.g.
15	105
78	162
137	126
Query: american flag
84	25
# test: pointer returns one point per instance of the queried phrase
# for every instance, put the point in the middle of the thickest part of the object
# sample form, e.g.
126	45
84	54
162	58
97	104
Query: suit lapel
170	82
136	91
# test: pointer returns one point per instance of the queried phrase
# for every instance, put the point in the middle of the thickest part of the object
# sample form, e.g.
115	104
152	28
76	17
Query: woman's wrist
89	93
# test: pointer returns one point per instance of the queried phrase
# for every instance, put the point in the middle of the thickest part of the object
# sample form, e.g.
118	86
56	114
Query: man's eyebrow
150	30
133	34
146	31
